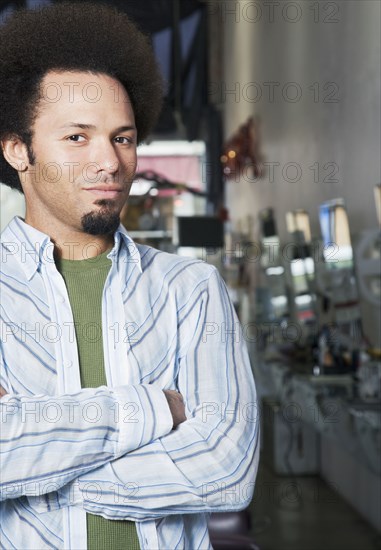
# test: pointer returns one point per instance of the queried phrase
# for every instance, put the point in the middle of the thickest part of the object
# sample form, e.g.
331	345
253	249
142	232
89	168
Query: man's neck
82	249
74	245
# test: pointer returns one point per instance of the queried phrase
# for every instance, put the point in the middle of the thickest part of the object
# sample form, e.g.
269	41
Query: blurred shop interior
266	163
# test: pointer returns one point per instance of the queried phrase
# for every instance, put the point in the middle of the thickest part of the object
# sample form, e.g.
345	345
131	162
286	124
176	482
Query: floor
303	513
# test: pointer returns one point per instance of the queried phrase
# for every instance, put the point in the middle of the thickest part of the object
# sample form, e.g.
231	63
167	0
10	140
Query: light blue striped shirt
167	323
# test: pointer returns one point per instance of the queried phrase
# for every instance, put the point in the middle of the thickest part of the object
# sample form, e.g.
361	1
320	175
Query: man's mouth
105	191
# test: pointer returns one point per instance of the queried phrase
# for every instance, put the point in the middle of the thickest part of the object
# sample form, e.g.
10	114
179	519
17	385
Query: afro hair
74	37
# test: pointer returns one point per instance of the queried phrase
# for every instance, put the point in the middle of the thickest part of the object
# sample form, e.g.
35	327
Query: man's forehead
64	84
83	97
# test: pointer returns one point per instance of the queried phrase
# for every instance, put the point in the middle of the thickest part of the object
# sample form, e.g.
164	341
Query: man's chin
101	222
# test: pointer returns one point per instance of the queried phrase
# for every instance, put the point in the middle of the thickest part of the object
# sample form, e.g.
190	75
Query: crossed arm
136	466
35	431
174	399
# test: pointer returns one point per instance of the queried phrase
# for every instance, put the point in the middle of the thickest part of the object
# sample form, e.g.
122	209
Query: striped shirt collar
33	248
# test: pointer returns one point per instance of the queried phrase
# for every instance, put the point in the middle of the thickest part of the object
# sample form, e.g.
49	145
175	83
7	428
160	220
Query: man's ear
15	153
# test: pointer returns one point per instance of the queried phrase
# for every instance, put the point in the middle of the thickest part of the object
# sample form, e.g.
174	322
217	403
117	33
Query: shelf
154	234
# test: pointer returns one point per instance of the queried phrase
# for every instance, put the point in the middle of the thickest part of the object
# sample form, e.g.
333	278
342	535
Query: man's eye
76	138
123	139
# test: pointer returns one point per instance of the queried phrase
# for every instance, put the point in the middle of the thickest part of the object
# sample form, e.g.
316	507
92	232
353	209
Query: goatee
101	222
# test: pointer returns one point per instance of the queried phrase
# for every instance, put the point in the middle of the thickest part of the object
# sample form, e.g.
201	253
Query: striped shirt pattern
167	323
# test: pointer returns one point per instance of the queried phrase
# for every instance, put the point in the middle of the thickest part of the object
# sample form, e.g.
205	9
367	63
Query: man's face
84	149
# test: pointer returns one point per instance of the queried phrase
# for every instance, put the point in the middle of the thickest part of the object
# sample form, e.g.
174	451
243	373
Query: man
128	409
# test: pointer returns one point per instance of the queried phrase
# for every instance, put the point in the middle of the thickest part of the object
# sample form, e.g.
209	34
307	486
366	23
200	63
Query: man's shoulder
156	262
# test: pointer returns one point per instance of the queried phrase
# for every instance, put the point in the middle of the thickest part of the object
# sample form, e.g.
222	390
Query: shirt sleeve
47	441
210	461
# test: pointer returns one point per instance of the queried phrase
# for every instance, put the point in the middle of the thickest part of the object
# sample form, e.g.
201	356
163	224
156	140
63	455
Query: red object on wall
242	151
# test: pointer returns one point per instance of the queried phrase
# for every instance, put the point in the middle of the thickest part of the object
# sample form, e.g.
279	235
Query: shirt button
68	364
61	300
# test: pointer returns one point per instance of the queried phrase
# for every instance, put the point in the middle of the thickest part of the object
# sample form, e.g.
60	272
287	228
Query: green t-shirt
85	280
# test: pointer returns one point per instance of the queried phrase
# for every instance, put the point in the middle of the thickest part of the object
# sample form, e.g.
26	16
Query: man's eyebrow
78	125
125	128
82	126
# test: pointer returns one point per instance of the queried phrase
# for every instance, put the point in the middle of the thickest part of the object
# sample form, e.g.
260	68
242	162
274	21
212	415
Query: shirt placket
68	381
114	330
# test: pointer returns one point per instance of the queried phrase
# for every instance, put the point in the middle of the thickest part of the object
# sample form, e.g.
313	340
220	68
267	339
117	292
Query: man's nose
107	160
110	167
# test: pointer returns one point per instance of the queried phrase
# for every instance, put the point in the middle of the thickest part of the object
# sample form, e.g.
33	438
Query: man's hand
2	392
176	405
